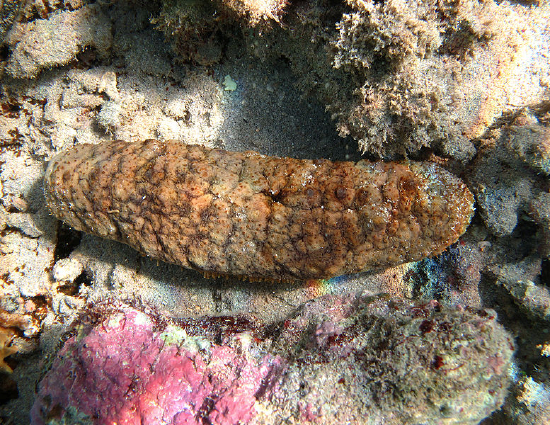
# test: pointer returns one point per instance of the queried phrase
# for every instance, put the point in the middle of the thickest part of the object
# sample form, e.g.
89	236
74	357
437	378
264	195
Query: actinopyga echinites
246	214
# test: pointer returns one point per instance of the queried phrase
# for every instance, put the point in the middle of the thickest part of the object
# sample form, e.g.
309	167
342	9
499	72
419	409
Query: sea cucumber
261	217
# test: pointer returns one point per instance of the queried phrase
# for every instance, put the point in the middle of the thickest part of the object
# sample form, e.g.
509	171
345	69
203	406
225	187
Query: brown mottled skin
242	213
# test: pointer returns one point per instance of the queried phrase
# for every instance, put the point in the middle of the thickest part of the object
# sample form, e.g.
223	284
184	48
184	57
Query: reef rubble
351	359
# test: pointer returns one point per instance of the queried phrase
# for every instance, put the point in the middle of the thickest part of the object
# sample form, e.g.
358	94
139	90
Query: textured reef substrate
351	359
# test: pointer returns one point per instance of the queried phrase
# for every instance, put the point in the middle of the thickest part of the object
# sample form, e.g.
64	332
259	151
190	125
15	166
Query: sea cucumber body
246	214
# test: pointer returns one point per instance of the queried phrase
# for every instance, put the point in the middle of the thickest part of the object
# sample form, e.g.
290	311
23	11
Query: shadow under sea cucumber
246	214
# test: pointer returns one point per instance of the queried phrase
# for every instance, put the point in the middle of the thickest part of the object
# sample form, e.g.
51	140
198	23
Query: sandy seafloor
131	85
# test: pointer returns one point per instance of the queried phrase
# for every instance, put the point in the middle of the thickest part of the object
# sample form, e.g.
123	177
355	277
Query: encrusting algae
255	216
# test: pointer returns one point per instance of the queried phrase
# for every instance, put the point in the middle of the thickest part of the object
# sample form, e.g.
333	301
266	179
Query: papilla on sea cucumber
250	215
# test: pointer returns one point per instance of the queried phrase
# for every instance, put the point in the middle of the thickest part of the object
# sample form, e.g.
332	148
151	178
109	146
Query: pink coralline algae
350	359
128	370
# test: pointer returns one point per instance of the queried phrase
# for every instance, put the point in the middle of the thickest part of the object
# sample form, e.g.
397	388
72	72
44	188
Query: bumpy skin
257	216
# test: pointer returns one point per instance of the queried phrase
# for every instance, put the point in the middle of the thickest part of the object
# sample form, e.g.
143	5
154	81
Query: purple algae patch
125	370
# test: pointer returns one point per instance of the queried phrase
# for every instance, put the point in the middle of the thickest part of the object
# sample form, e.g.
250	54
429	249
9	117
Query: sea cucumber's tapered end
452	203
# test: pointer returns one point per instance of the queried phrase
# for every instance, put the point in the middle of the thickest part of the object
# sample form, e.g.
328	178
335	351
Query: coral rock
128	369
55	41
510	178
399	76
362	360
339	359
257	11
